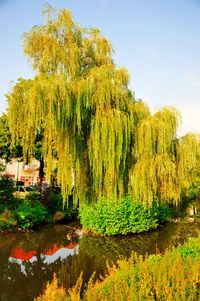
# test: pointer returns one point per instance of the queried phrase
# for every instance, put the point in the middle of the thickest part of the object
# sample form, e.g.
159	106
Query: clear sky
158	41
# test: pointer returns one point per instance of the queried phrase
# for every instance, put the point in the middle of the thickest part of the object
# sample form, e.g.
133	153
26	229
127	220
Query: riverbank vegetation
174	275
16	213
33	209
122	217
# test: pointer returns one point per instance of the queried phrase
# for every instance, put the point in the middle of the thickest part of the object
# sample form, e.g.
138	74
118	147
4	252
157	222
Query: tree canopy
102	141
7	149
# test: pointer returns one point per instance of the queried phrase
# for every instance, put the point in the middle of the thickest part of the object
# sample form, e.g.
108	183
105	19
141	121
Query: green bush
164	213
6	220
191	248
33	196
6	224
30	215
127	216
52	199
6	193
194	190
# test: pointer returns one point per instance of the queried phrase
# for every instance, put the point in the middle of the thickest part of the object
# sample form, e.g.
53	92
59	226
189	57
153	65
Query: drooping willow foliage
155	172
101	141
189	159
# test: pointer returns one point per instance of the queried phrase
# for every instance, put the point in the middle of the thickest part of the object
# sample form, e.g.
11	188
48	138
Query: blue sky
156	40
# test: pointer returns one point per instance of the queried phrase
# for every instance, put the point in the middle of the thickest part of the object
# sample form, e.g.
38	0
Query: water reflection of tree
23	285
69	271
95	252
25	281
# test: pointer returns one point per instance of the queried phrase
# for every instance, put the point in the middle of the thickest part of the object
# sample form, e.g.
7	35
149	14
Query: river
29	260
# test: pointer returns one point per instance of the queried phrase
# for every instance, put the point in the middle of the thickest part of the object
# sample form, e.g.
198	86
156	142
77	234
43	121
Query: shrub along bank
106	217
25	214
127	216
33	210
173	276
194	190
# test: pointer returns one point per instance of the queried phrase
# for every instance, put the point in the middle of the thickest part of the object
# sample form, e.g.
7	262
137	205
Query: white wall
19	171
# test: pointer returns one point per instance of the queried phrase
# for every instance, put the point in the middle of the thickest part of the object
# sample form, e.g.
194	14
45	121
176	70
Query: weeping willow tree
164	163
155	174
82	102
189	160
100	140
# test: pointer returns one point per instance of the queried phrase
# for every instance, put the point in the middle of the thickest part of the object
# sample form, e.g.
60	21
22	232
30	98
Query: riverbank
175	275
33	211
32	258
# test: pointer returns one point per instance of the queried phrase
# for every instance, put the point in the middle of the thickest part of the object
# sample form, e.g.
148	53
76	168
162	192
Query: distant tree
7	149
189	159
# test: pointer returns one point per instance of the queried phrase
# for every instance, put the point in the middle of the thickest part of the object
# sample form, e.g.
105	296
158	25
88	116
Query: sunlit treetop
62	46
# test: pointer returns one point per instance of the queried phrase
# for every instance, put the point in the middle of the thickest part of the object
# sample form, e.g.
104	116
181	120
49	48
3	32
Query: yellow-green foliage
53	292
82	102
163	162
173	276
189	155
155	174
101	141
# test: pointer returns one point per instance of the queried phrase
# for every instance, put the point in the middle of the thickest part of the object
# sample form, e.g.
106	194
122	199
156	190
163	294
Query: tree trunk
41	172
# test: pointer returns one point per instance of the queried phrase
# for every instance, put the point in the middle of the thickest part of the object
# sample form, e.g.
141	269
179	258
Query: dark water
29	260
